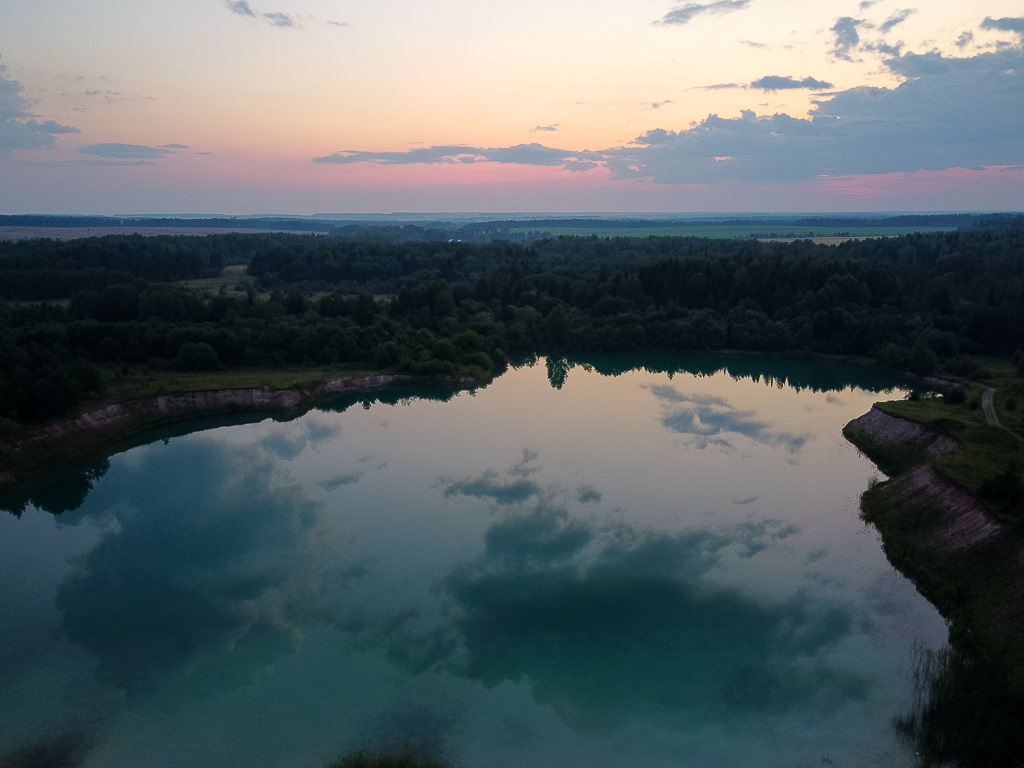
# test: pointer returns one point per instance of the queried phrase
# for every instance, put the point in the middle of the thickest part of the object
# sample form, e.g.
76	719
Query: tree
197	356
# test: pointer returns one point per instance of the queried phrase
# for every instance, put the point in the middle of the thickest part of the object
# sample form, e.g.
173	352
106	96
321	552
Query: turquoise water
664	567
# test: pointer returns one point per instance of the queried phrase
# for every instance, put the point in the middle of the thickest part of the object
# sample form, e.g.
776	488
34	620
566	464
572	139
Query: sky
320	106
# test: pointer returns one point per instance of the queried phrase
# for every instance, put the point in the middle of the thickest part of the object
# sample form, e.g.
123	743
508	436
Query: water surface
664	567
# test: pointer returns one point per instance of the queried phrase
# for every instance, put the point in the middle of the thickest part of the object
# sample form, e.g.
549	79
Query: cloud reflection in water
210	559
711	420
608	623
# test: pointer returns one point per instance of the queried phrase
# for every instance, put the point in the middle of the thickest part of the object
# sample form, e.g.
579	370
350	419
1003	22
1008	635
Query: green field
229	279
781	229
775	230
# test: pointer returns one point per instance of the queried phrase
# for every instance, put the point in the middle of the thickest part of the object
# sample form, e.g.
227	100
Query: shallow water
562	568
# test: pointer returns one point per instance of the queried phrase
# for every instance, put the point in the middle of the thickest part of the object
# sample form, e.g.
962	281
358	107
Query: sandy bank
35	449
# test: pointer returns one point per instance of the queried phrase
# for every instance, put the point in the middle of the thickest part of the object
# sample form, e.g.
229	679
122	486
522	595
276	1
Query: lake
602	562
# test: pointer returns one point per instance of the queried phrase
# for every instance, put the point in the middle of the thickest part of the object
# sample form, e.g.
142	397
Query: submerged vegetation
963	713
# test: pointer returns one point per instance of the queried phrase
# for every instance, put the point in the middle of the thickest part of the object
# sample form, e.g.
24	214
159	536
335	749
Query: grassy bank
989	458
971	694
971	584
952	523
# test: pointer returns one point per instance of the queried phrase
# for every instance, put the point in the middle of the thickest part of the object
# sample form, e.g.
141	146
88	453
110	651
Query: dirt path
989	407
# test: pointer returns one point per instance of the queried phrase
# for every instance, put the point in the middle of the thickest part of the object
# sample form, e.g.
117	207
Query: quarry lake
617	562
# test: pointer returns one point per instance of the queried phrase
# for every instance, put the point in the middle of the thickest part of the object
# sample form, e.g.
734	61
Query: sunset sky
320	106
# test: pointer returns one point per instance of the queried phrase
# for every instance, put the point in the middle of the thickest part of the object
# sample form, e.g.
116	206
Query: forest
72	312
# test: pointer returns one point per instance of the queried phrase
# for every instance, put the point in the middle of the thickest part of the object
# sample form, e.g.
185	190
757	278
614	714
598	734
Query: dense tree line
297	224
45	268
912	302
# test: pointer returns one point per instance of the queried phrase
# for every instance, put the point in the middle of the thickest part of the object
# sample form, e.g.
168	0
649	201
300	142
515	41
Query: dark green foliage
41	373
1005	491
197	356
53	269
919	302
955	396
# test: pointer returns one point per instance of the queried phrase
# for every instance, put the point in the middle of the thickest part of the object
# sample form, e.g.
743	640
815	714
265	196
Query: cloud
279	19
864	130
52	127
274	18
112	97
858	131
526	154
660	104
18	128
174	146
846	37
532	154
686	13
241	7
123	151
777	83
1006	24
544	128
428	155
897	18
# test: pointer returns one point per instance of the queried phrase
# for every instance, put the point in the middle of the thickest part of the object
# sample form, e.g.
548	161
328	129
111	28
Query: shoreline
957	552
961	557
34	450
